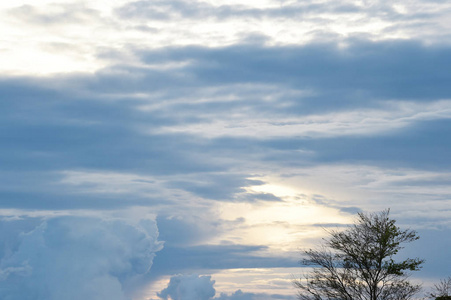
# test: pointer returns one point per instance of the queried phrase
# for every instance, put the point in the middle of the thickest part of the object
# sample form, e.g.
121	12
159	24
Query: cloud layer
242	128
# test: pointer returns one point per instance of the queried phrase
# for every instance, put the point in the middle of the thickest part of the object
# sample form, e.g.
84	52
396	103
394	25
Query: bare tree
442	290
358	263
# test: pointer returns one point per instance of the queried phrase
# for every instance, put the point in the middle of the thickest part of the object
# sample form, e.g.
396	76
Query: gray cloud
325	19
94	123
317	10
107	129
164	10
221	187
342	77
321	200
183	258
54	14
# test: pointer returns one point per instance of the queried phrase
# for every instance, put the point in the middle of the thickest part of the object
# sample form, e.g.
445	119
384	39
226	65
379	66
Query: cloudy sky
187	150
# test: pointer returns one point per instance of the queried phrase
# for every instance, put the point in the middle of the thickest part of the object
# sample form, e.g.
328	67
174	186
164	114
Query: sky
189	150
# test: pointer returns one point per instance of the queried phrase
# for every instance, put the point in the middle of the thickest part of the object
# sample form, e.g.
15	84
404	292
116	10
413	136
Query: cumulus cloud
189	287
240	295
195	287
74	258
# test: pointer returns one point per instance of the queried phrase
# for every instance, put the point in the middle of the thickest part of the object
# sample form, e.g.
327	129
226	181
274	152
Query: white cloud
86	27
74	257
189	287
254	281
195	287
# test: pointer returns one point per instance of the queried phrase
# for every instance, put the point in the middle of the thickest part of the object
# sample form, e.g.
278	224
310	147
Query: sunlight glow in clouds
87	27
274	222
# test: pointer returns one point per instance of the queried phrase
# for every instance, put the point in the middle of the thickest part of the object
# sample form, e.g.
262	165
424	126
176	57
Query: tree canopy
359	263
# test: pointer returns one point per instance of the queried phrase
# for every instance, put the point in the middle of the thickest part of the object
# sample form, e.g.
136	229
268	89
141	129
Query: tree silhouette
358	263
442	290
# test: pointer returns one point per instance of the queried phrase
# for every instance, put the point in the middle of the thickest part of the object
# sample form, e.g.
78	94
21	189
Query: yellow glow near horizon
280	225
251	280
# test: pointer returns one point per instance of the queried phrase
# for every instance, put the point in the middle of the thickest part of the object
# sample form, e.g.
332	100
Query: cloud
199	129
377	18
60	44
174	259
393	149
365	122
54	14
361	68
195	287
182	230
283	9
189	287
187	107
176	9
74	257
240	295
219	186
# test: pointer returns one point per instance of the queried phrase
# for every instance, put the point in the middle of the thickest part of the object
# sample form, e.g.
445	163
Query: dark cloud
424	145
221	187
62	199
94	123
323	201
254	197
352	76
178	259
